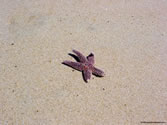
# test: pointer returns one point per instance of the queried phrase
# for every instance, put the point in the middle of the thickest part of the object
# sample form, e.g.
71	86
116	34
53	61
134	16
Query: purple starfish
85	64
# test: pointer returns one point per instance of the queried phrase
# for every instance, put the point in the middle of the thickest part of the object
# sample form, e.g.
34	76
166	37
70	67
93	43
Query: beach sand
128	39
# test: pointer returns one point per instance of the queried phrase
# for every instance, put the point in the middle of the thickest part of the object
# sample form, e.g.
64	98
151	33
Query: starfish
85	65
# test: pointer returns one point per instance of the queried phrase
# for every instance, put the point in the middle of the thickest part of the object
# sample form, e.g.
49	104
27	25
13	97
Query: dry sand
128	38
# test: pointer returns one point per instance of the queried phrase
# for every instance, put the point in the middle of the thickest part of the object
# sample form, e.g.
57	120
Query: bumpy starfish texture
85	65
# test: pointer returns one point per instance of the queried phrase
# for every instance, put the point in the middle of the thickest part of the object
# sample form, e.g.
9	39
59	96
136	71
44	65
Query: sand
128	39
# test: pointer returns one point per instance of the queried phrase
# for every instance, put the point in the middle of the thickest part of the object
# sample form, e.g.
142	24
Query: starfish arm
75	65
98	72
80	56
87	75
91	58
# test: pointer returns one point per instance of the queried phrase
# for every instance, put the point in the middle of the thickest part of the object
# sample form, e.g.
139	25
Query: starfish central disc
85	67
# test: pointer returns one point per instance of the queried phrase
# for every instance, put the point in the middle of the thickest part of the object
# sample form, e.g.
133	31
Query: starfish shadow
74	56
97	75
